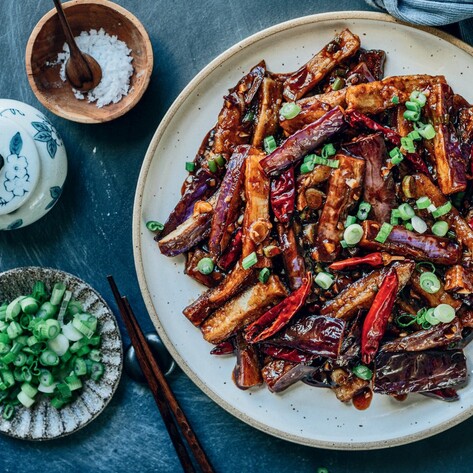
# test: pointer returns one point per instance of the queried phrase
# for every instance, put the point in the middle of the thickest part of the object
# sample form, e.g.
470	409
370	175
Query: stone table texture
89	234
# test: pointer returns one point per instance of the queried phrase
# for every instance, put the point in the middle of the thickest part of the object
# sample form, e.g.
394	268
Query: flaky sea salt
113	56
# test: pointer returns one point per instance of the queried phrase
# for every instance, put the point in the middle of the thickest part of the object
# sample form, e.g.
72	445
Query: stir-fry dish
330	213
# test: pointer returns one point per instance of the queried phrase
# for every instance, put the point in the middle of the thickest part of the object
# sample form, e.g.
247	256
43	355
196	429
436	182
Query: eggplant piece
231	130
314	334
280	374
448	160
308	181
407	372
191	269
420	185
351	344
232	253
242	310
302	142
410	244
343	46
233	284
228	203
379	187
347	386
360	74
360	294
376	97
227	347
267	117
247	372
256	222
374	60
312	108
439	335
465	131
459	279
466	318
439	297
203	185
294	264
344	190
287	354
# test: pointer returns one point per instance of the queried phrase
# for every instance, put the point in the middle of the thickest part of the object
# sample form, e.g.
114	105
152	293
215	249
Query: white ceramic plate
301	414
42	421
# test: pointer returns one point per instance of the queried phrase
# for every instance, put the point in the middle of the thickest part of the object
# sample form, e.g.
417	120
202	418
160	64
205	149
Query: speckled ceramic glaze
34	165
42	421
301	414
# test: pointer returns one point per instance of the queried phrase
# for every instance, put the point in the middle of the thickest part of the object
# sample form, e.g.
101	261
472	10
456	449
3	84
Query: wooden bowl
47	40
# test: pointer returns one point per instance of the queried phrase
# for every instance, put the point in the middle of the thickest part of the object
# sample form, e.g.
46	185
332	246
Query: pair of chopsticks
172	414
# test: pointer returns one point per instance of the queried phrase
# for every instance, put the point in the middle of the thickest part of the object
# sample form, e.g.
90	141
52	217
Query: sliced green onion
406	212
46	378
249	117
423	202
57	293
338	84
418	224
344	244
220	160
307	167
328	150
430	265
440	228
14	330
431	318
290	110
80	367
409	226
20	359
324	280
414	135
264	275
395	152
49	358
95	355
47	389
249	261
204	266
333	163
49	329
442	210
46	311
57	403
418	97
412	115
39	291
190	166
4	348
445	313
154	226
269	144
63	391
395	100
428	132
8	411
362	372
413	106
29	390
59	344
25	399
384	232
29	305
397	159
73	382
429	282
87	331
363	211
71	332
320	160
431	208
13	309
212	165
408	144
351	219
96	371
353	234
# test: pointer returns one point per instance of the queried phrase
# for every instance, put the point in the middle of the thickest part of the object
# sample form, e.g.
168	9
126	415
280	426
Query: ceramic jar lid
33	164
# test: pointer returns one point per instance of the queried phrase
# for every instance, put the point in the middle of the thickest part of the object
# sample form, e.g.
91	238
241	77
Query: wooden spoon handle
74	49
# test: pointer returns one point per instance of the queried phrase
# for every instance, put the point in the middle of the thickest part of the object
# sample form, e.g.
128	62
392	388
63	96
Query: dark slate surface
89	234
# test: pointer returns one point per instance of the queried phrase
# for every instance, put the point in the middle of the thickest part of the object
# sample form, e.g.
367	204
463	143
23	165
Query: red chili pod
283	195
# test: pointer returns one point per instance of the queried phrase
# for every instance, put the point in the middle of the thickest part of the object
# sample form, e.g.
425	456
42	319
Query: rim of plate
100	299
137	227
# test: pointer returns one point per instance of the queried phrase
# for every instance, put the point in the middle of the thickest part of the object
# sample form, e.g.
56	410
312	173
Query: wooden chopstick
161	390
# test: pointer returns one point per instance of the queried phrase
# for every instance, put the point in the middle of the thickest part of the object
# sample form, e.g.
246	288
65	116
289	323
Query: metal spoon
83	71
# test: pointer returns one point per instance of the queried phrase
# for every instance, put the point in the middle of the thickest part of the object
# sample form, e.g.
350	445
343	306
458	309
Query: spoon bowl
80	79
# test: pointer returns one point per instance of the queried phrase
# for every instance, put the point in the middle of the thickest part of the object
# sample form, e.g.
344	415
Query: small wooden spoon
83	71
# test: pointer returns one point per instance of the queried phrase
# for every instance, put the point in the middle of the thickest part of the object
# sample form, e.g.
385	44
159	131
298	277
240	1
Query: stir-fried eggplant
343	46
407	372
330	212
344	190
378	189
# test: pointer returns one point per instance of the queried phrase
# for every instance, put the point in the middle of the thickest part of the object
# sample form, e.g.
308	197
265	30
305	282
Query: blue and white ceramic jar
33	165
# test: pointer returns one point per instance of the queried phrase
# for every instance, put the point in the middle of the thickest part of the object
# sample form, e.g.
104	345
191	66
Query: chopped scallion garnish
190	166
290	110
249	261
353	234
429	282
324	280
384	232
440	228
442	210
264	275
269	144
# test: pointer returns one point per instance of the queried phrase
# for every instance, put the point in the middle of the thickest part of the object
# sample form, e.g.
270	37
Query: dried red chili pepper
280	314
288	354
376	320
375	260
283	194
223	348
232	252
355	118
